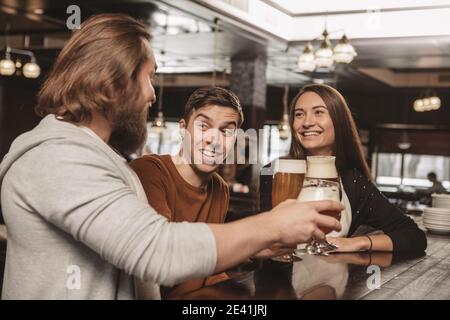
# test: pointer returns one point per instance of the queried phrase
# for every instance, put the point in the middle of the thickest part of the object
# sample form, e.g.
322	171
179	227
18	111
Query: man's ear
182	124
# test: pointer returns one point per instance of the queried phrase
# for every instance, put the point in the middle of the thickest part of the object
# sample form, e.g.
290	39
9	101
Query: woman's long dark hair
347	146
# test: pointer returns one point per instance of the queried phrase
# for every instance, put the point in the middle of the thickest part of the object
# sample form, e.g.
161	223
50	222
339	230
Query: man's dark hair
207	96
432	176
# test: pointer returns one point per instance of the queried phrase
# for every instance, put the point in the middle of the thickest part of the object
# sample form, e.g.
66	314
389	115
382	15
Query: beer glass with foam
287	183
321	183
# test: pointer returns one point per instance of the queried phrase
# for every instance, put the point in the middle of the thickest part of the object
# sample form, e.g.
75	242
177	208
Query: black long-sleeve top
369	207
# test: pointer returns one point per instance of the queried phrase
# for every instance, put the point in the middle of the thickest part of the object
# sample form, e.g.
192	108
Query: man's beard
130	131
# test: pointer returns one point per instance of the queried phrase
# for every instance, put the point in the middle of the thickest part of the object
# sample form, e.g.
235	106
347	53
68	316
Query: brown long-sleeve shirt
172	196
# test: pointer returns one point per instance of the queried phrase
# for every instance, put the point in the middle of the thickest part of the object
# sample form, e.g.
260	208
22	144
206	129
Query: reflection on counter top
352	276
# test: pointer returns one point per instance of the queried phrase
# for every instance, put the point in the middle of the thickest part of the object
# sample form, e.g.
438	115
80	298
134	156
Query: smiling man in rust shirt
186	187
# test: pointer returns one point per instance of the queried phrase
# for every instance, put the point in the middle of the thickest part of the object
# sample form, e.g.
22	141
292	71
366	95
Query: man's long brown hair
96	70
347	146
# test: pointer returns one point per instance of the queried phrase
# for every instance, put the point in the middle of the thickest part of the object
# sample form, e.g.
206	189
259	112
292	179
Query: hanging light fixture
159	123
306	60
428	101
7	66
324	55
344	51
435	102
418	105
283	126
31	69
404	143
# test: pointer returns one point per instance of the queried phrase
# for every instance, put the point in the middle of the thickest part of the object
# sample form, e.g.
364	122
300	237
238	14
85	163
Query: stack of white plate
437	218
441	200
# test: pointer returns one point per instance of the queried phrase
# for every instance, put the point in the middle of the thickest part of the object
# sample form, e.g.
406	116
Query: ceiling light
7	66
324	55
418	105
344	51
426	104
429	103
159	124
306	61
435	102
31	69
283	127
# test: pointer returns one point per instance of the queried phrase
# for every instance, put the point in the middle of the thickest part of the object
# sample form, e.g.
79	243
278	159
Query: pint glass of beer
321	183
287	183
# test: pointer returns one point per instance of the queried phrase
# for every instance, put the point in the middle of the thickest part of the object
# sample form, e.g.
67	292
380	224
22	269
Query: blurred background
390	59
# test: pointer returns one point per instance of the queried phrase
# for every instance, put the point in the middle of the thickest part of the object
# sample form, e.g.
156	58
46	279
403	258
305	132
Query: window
389	168
166	142
272	146
411	169
417	167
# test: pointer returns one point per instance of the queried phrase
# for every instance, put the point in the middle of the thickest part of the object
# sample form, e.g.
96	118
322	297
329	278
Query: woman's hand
350	244
382	259
380	242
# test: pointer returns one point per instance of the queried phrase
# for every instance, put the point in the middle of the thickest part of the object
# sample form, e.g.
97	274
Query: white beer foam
321	167
290	166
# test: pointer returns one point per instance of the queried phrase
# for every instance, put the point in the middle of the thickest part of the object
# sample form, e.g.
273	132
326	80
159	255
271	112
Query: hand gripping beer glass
321	183
287	183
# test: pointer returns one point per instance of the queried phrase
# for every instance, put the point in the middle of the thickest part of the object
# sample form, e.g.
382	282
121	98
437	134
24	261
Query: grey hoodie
79	225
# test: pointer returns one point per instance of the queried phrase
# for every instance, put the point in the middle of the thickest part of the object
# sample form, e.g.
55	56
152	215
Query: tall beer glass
287	183
321	183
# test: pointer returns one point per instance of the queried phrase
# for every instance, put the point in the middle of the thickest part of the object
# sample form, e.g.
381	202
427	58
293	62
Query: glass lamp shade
419	105
283	127
324	58
31	70
7	67
324	55
435	102
159	124
426	104
306	61
344	51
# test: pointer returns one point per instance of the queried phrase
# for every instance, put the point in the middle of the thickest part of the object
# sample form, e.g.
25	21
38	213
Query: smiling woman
322	125
313	124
